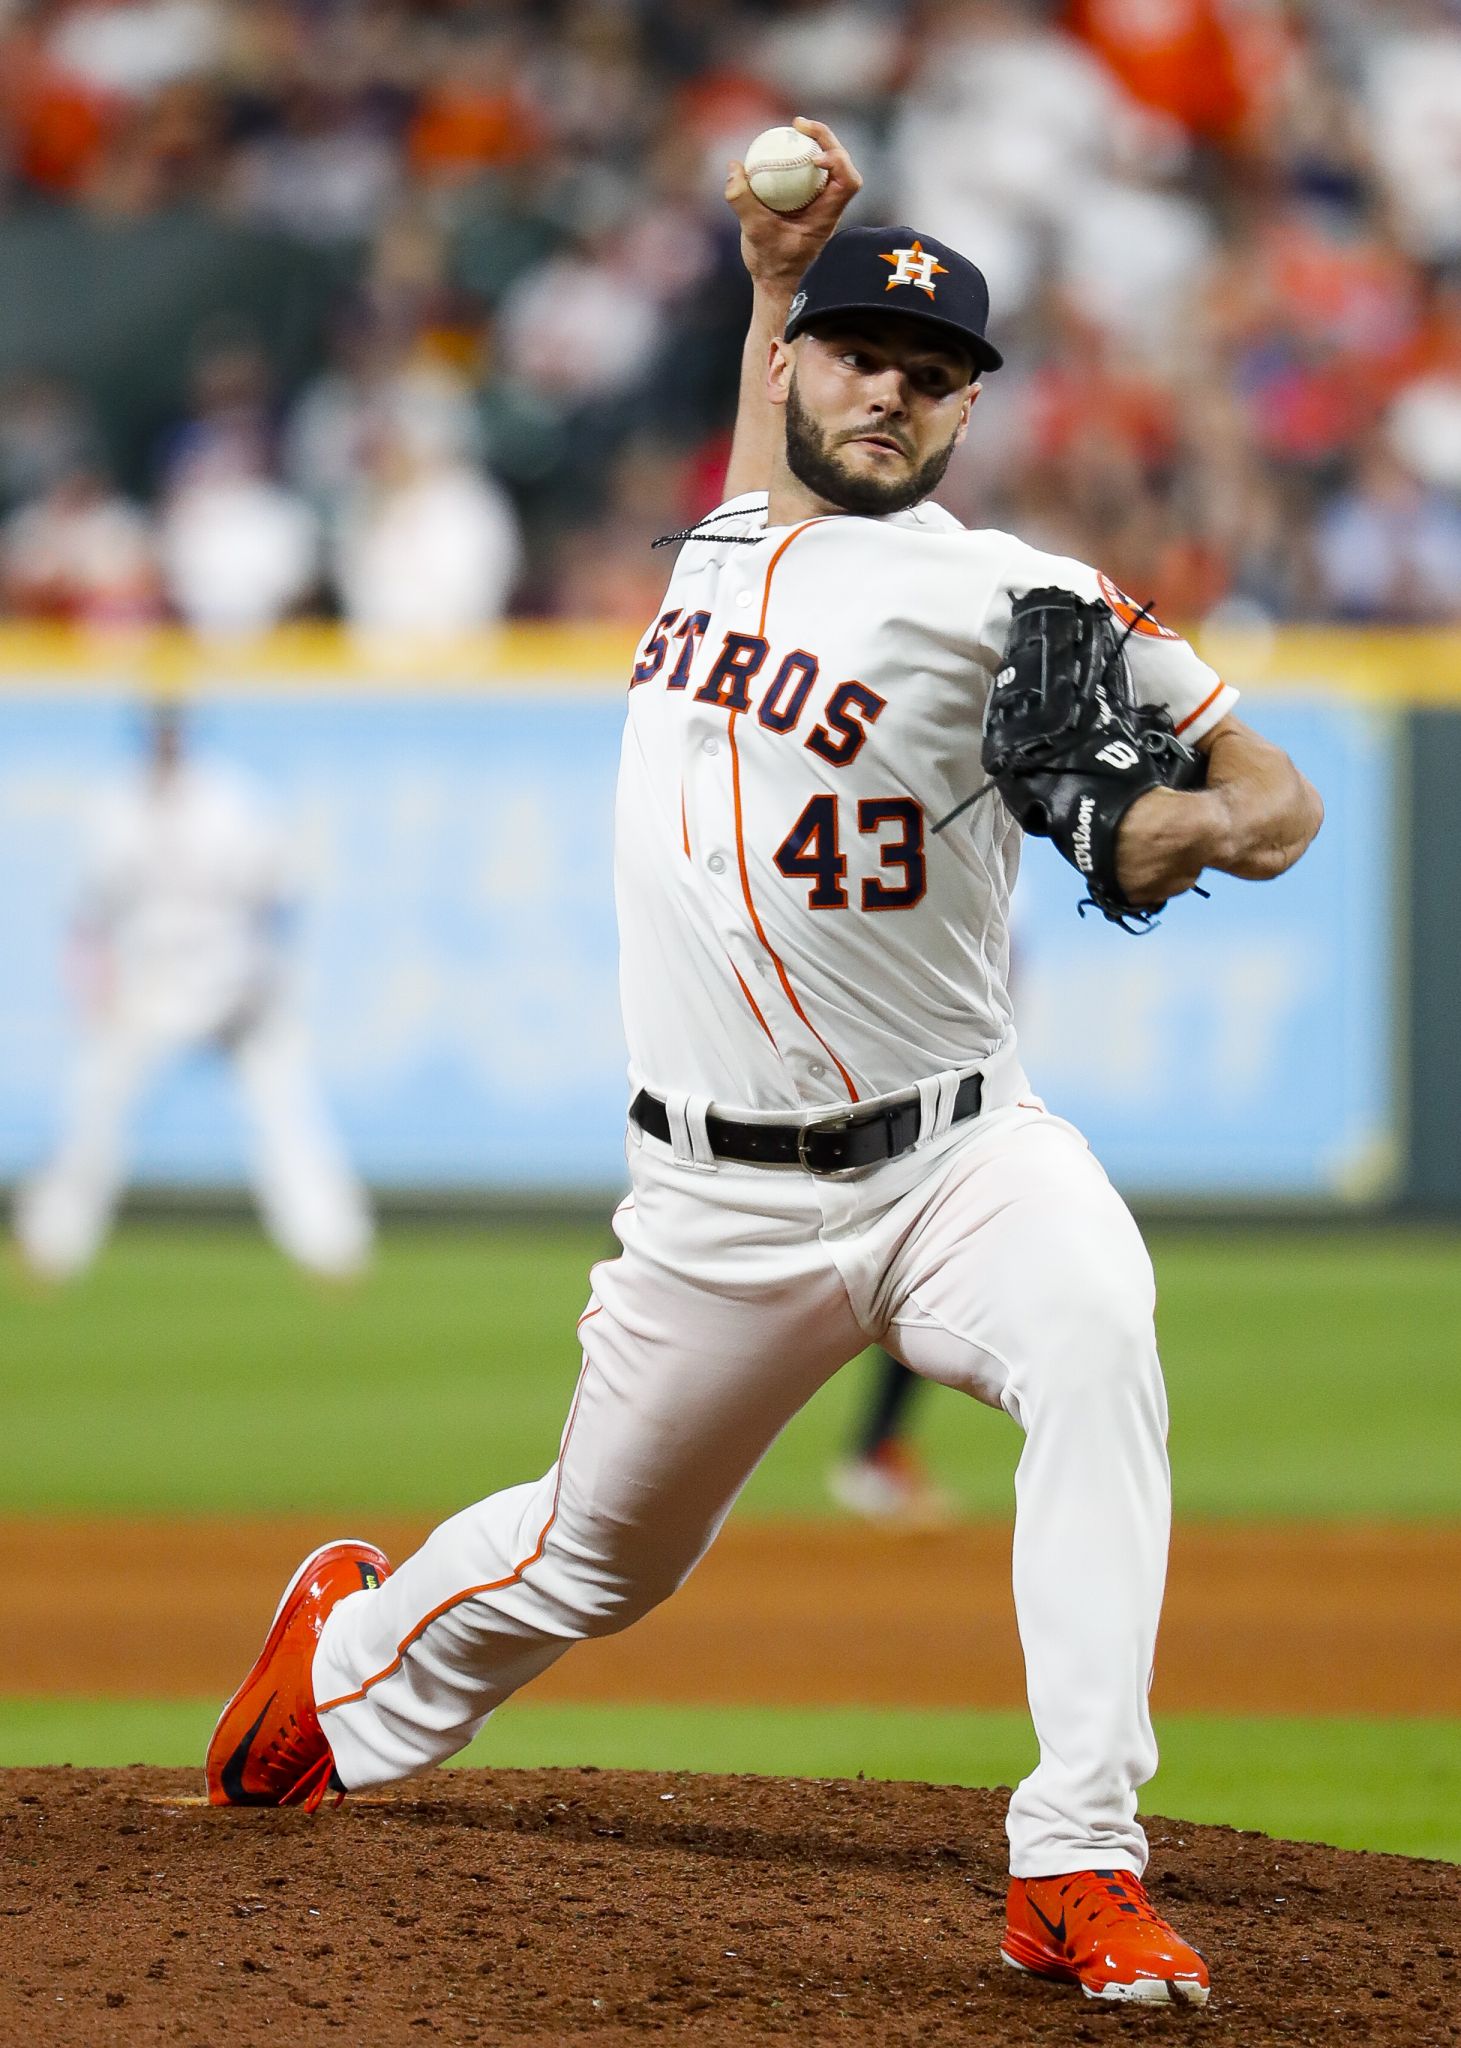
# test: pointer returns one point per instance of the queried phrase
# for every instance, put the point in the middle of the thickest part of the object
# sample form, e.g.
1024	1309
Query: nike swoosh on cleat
231	1776
1056	1933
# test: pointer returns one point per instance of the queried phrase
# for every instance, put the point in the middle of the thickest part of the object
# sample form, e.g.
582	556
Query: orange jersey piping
492	1585
756	924
795	534
1210	698
751	1000
772	954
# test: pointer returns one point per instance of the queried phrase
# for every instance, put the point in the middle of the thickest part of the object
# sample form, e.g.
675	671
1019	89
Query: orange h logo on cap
916	266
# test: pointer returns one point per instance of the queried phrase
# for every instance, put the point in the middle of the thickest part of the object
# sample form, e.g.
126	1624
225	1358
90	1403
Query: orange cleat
268	1748
1098	1929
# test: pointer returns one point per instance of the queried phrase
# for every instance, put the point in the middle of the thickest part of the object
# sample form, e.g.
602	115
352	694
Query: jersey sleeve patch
1130	613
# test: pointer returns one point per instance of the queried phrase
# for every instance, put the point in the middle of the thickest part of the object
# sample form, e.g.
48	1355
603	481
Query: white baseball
780	170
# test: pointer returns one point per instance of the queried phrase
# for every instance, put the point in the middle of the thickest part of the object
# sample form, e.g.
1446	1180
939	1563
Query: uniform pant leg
699	1343
312	1204
1025	1281
62	1215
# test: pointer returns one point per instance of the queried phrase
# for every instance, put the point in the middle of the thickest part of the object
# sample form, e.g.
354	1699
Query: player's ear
779	366
969	398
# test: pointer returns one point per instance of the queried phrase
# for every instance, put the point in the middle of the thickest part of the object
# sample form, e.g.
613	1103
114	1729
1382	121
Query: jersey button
716	864
710	746
816	1070
743	598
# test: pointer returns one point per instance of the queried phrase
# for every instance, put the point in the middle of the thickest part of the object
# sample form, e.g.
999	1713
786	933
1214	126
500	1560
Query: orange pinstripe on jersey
775	958
347	1699
795	534
758	927
751	1000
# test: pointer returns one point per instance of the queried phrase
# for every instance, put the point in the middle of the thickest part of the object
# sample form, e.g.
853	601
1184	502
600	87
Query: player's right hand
777	247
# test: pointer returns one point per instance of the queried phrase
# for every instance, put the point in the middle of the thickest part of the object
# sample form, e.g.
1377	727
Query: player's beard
813	461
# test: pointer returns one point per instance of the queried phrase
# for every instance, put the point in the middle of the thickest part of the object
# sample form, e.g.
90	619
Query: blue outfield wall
457	959
1248	1047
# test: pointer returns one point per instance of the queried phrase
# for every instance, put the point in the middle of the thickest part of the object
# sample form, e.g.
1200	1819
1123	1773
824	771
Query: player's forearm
759	424
1263	813
1254	819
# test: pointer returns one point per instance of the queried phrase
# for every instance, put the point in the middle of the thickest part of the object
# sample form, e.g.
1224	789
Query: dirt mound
595	1907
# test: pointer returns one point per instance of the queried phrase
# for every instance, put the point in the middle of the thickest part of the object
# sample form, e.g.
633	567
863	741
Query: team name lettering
842	738
784	703
733	684
729	683
656	647
689	636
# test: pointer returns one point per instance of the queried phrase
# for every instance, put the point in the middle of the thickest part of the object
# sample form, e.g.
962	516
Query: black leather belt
838	1141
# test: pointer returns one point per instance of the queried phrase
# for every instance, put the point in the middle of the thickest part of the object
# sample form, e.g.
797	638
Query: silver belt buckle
834	1120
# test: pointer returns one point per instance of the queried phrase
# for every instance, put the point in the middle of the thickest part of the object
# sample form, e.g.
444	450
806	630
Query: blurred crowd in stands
416	311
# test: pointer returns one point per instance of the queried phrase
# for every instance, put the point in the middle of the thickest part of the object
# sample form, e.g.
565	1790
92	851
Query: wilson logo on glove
1068	747
1080	844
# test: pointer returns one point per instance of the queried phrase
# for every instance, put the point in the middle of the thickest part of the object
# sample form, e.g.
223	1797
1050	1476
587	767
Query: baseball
780	170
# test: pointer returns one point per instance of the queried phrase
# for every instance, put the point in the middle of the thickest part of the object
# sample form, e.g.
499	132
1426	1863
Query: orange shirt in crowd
1177	56
1068	397
461	129
1354	294
58	127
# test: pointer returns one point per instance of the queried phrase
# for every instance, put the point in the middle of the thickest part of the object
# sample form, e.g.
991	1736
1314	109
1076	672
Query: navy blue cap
894	270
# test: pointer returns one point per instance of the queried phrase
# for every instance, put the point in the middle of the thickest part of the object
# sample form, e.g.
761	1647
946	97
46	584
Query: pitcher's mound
592	1907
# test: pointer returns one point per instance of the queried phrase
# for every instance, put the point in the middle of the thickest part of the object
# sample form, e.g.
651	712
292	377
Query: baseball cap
895	270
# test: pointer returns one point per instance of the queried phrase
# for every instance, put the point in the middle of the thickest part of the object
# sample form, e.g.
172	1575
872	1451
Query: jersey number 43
812	851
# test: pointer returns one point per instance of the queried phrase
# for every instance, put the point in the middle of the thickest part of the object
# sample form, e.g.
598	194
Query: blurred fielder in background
180	946
882	1476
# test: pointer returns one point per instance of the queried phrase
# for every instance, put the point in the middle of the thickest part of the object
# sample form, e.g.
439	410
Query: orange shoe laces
291	1755
309	1790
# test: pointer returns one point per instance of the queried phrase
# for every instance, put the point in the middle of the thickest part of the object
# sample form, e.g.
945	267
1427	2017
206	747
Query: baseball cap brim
984	353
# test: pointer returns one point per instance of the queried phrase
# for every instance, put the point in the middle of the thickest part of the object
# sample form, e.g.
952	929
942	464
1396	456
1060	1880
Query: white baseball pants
998	1260
311	1203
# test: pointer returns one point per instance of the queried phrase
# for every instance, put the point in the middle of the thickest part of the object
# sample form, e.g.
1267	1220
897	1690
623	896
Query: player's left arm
1254	818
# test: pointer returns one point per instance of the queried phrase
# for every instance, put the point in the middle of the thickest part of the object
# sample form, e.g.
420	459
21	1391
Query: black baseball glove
1068	747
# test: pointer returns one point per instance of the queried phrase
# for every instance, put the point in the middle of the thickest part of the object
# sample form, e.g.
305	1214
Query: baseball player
882	1477
179	946
831	1141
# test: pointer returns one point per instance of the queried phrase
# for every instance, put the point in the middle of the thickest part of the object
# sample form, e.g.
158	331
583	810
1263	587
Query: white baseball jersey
182	877
801	714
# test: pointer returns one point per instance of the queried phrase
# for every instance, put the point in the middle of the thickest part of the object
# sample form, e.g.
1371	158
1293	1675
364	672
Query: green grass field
1310	1375
1360	1784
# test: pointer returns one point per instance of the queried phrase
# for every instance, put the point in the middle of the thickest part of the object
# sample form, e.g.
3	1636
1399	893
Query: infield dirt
1337	1618
584	1907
